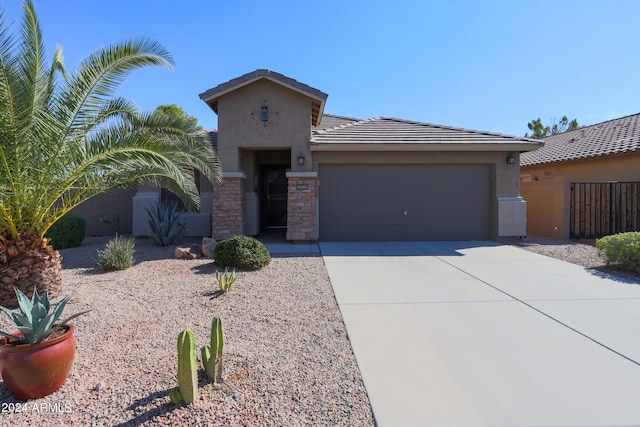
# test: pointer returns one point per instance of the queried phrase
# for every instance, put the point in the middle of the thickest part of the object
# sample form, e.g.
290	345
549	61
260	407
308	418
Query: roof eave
213	94
517	147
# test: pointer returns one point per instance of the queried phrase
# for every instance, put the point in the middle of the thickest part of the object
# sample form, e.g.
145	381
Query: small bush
243	252
167	226
67	232
117	255
622	249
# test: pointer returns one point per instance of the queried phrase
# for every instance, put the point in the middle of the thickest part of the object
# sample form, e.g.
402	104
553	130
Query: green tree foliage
65	138
190	123
539	131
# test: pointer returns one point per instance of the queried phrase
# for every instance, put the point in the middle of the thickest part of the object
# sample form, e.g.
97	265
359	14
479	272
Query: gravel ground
580	252
288	360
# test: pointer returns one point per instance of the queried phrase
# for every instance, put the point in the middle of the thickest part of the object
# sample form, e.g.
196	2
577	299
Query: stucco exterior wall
548	206
106	206
613	168
240	127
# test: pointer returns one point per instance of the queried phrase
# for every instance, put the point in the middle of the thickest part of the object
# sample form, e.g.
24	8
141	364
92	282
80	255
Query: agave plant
226	280
167	226
34	321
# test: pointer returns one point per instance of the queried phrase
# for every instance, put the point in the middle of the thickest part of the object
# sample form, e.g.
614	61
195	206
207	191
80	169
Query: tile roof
212	136
319	98
612	137
330	121
385	130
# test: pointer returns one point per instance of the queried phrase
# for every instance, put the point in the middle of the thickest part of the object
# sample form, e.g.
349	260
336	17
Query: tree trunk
27	264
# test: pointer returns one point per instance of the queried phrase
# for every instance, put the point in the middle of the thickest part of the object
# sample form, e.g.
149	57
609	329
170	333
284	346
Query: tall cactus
187	369
212	354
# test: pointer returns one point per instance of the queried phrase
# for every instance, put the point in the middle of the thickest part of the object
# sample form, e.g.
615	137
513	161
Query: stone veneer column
228	217
302	202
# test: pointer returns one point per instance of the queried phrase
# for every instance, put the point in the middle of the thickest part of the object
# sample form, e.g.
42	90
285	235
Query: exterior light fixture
301	160
264	113
511	159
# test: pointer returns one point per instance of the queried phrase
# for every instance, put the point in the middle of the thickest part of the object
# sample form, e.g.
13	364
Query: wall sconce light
264	113
301	160
511	159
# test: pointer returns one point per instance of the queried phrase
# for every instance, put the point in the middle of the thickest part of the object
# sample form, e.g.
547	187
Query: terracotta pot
31	371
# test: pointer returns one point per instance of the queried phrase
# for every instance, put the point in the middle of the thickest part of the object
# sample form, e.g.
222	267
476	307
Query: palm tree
65	138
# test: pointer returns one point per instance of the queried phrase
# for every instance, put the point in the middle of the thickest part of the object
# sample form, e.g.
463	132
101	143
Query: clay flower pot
31	371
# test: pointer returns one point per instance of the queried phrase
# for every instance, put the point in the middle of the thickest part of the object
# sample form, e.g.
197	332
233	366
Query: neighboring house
601	153
608	151
286	164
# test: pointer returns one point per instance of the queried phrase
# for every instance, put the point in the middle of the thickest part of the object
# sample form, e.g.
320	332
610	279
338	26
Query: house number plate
302	186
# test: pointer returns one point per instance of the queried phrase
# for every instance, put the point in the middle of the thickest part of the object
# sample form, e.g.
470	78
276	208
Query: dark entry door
274	197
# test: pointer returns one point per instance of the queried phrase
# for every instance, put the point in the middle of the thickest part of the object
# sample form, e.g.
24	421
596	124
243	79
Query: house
608	151
288	165
570	184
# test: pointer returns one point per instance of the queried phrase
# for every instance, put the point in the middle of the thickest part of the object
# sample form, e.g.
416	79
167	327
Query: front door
274	197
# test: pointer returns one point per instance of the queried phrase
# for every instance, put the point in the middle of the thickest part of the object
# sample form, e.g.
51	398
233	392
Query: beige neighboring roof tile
612	137
393	132
318	97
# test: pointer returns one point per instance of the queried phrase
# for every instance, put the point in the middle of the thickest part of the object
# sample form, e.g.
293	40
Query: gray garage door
404	202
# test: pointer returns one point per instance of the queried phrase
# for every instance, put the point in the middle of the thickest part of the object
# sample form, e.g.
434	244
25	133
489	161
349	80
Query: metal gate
602	208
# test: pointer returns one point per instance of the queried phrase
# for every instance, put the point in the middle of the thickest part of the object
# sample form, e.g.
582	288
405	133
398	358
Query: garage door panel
404	202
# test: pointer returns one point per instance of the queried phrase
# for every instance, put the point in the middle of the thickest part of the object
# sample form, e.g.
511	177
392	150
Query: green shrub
67	232
167	226
622	249
243	252
117	255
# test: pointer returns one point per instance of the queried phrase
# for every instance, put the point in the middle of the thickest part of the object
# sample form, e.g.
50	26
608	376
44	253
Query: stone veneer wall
228	218
302	215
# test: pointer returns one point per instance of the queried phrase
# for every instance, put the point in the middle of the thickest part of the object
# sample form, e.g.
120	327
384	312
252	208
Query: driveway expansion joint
637	363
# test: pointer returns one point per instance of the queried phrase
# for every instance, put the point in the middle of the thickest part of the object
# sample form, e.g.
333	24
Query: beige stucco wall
240	132
614	168
548	206
506	183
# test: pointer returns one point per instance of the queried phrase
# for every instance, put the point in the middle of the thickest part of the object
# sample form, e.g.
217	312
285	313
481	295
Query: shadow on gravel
138	406
6	397
208	268
612	273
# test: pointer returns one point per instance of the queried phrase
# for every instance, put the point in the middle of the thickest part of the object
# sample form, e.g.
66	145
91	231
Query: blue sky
492	65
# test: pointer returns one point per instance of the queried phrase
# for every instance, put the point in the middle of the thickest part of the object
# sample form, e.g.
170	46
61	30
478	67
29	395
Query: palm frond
66	139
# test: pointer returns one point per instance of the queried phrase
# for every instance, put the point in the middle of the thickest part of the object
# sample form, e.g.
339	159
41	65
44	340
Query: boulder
208	246
186	253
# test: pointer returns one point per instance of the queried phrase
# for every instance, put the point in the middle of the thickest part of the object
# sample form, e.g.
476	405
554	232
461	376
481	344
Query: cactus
187	369
175	396
212	354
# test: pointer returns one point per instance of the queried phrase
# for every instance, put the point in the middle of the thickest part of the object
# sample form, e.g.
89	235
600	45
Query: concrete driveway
477	334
